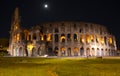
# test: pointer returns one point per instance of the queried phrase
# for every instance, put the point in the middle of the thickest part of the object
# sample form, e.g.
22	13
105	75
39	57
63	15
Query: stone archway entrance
39	52
98	52
34	53
88	52
62	51
50	51
56	51
16	52
81	51
102	52
105	52
93	52
75	51
20	51
69	52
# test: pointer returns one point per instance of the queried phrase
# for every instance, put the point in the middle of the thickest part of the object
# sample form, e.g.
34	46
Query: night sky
32	12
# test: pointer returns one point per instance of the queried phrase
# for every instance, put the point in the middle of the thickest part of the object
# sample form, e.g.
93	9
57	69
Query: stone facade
64	38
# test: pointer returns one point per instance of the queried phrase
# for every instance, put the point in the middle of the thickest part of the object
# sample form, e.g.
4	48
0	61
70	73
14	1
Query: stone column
95	44
66	53
72	52
59	52
78	51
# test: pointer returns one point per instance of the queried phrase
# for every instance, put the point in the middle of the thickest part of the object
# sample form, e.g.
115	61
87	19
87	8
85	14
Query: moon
46	6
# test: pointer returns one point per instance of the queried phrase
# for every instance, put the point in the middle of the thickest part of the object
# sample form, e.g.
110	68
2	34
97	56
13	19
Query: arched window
62	38
41	37
92	38
34	36
87	39
105	40
50	25
81	30
49	37
93	52
74	25
102	40
29	37
68	37
69	51
75	51
96	38
81	51
45	37
56	38
75	37
88	52
63	51
86	25
56	30
82	39
56	50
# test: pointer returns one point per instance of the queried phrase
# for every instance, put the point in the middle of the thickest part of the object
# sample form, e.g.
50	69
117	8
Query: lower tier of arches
63	51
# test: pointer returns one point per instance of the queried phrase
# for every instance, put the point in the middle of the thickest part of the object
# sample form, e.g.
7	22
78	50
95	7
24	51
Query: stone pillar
13	52
59	52
29	52
72	52
84	36
107	41
78	51
85	51
78	38
95	44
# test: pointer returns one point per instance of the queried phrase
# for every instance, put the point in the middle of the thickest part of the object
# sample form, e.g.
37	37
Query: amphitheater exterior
62	38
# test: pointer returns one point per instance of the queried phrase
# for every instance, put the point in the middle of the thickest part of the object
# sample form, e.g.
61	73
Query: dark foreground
17	66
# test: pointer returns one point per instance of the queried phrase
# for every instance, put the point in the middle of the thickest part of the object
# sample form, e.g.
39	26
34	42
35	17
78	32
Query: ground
23	66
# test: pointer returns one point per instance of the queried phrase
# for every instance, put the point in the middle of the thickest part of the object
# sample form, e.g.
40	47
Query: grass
59	67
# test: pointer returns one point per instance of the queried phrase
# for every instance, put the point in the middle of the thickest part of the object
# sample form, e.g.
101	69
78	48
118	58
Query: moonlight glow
46	6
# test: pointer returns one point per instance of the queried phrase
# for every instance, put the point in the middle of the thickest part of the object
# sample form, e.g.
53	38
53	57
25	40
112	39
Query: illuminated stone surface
65	38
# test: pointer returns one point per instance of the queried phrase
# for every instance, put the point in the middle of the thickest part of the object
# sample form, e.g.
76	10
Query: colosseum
62	38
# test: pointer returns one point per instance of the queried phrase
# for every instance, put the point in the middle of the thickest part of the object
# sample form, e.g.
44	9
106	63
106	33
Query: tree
3	53
4	42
